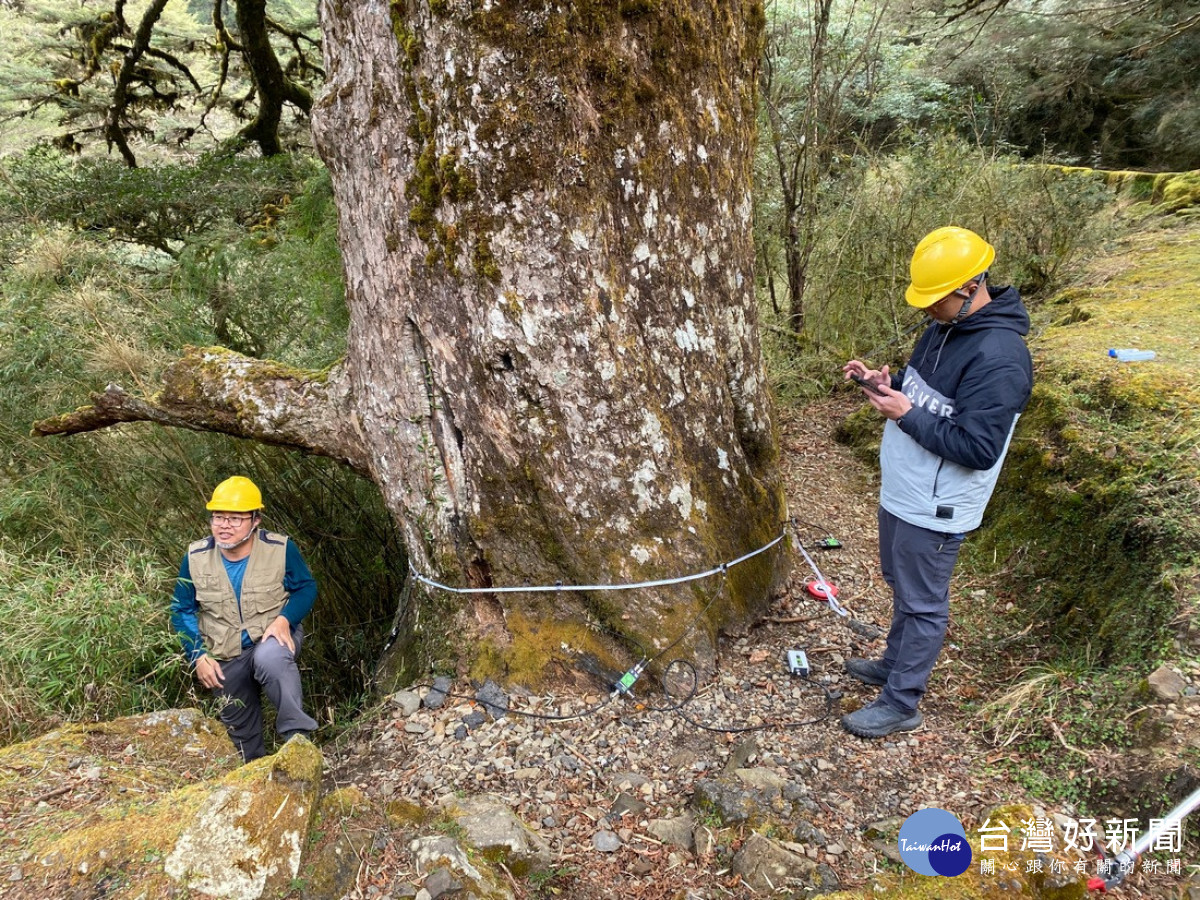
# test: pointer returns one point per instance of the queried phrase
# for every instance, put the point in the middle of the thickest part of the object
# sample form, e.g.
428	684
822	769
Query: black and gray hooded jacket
968	384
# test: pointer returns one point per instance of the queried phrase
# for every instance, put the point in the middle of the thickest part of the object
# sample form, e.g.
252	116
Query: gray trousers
917	564
267	667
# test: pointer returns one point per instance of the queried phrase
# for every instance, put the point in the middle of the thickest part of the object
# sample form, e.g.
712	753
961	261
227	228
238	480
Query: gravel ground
592	786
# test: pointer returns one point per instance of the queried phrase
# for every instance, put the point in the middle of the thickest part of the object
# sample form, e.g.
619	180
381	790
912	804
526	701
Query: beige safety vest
220	621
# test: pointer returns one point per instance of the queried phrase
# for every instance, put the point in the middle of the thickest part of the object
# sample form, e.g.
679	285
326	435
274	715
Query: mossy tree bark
553	364
546	221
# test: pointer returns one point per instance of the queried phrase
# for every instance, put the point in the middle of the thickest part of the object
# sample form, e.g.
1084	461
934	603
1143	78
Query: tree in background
808	73
130	73
839	80
1112	84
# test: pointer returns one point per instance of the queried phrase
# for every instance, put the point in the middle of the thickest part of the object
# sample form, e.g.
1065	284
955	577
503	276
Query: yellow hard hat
236	494
945	260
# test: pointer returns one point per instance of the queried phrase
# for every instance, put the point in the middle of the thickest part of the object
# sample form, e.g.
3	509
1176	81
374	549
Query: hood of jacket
1005	311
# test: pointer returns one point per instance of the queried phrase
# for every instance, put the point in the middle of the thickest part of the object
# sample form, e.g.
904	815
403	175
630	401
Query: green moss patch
1097	512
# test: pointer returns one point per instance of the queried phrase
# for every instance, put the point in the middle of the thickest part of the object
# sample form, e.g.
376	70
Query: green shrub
873	215
161	206
83	640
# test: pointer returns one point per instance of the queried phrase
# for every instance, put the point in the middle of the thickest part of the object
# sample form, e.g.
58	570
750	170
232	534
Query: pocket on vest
262	602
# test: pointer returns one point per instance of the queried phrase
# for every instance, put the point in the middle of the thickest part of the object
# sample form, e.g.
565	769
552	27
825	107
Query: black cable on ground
626	682
766	726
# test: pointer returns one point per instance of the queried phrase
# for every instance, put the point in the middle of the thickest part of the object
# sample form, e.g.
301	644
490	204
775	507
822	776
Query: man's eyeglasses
219	519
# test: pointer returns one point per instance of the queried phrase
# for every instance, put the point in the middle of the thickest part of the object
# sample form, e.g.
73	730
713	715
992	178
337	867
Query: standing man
950	416
239	600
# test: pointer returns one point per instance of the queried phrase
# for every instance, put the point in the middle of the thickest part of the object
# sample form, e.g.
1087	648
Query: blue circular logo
933	842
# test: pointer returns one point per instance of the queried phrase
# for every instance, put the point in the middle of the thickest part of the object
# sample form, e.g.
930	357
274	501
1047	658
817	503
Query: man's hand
208	670
856	369
281	630
891	404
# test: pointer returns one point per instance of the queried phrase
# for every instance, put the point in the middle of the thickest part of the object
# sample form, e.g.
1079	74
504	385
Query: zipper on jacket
937	475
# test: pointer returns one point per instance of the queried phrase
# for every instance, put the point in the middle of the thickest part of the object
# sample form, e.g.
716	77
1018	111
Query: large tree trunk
546	221
553	372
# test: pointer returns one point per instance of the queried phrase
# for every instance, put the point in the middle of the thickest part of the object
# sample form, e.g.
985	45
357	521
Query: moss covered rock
246	837
153	806
499	834
345	820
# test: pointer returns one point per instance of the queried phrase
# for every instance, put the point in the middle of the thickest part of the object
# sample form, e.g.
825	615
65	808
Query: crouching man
240	597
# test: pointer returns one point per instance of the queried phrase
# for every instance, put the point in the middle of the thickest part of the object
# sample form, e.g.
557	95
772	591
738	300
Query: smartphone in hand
869	385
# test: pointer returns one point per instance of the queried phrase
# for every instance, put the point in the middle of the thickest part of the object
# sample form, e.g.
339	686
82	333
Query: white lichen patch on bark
681	496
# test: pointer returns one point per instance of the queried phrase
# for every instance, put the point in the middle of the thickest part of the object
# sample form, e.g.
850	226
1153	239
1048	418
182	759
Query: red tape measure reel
821	590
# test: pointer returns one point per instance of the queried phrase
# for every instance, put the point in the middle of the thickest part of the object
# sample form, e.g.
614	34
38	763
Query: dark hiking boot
879	720
868	671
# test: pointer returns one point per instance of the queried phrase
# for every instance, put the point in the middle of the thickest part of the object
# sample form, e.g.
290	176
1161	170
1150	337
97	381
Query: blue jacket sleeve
300	585
989	399
185	611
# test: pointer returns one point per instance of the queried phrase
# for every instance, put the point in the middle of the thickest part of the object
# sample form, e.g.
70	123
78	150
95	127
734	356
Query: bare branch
214	389
174	62
113	131
218	18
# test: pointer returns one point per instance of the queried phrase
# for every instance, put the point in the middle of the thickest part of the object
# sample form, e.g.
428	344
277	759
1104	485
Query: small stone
439	883
1166	683
493	699
677	832
606	842
474	719
742	754
415	728
436	698
16	874
626	804
408	702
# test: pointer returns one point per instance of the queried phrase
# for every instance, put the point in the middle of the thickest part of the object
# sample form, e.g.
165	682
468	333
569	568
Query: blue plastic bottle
1131	355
